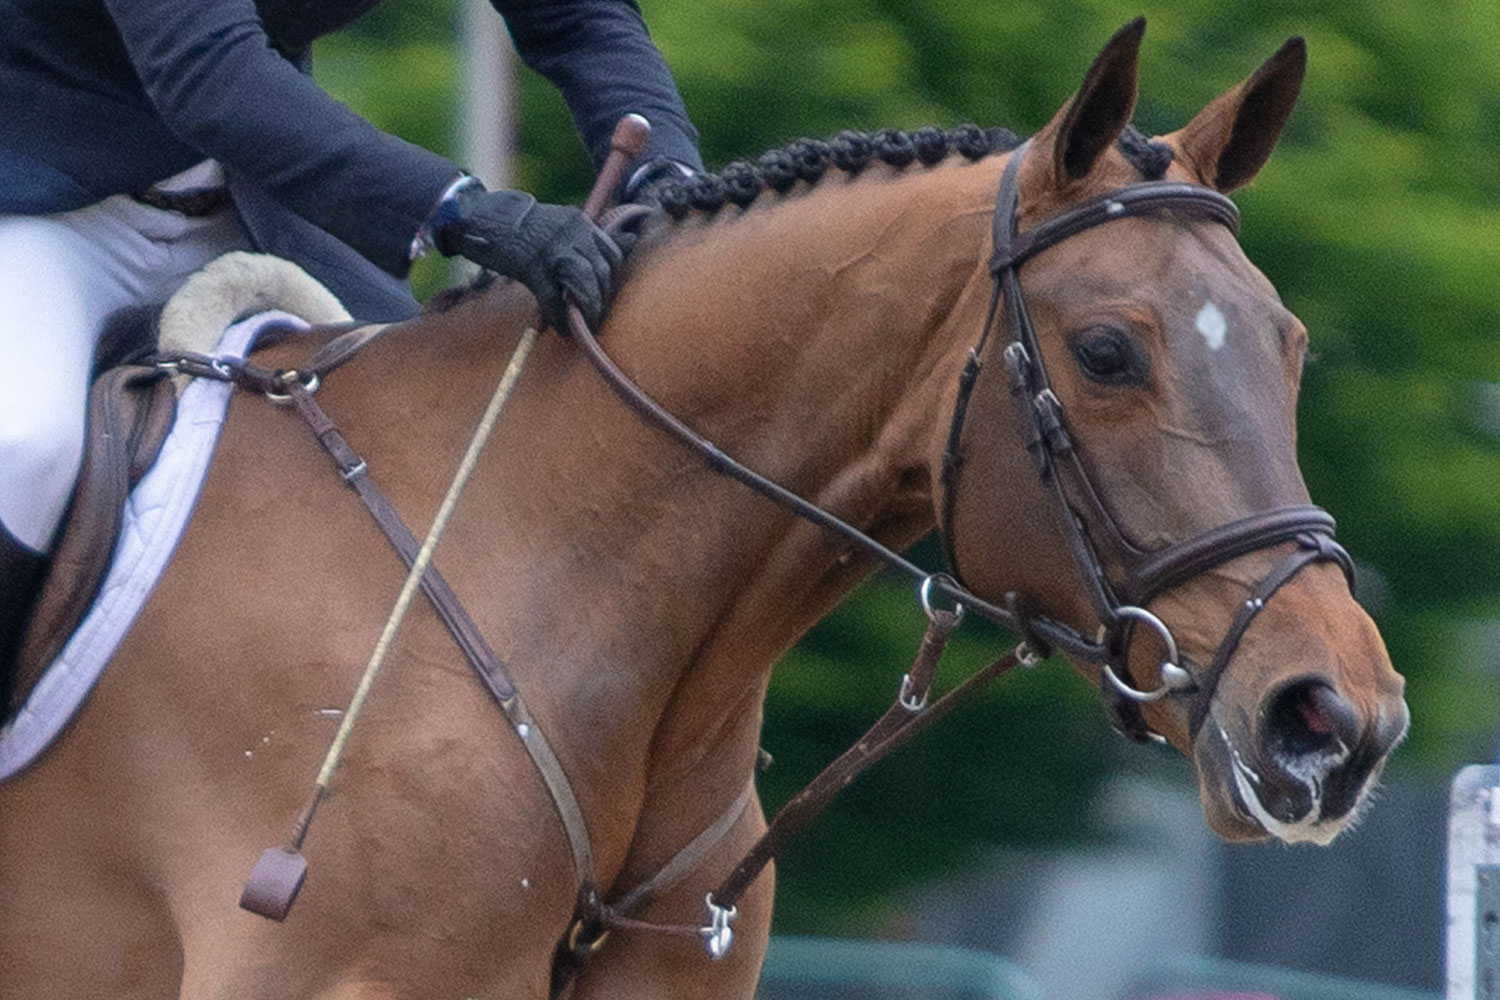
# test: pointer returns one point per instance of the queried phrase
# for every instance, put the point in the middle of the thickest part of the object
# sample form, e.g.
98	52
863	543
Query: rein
1078	504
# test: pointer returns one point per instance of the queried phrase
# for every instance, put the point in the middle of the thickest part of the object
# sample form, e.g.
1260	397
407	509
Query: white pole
487	99
486	127
1474	885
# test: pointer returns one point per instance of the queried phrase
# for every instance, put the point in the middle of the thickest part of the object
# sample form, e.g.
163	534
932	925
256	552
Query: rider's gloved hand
551	249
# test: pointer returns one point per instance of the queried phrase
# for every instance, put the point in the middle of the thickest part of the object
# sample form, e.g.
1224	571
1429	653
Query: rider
139	139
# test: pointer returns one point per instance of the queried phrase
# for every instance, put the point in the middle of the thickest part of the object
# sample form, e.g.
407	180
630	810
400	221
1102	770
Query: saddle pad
131	410
155	517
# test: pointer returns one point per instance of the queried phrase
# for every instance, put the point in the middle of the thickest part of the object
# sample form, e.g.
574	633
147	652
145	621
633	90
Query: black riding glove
551	249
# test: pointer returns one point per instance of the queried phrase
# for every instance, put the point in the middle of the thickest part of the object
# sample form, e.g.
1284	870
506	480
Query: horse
817	332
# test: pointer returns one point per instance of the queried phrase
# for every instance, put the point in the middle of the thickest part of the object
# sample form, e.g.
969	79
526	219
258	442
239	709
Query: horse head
1160	411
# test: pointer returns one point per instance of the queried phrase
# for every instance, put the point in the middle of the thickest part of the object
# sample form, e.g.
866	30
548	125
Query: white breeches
61	278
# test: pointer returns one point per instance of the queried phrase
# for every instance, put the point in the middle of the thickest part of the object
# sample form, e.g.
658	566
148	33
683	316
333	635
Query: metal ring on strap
718	933
310	384
1173	676
925	593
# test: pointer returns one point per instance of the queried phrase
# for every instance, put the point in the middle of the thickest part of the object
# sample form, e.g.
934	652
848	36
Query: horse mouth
1301	799
1299	763
1245	798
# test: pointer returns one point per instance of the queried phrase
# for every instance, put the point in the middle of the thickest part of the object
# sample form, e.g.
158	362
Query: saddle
131	410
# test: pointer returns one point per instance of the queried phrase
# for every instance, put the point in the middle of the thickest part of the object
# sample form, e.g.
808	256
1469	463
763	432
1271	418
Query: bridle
1088	526
1087	522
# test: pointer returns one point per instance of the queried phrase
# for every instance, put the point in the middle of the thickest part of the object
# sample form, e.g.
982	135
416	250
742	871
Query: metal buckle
718	936
216	368
310	385
581	946
1049	422
925	593
912	705
1018	362
1025	656
1173	677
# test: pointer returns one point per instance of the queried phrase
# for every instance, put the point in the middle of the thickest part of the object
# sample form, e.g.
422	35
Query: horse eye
1110	356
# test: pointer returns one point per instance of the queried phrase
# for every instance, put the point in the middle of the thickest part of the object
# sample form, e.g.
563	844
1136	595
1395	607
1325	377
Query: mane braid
742	181
807	160
1151	157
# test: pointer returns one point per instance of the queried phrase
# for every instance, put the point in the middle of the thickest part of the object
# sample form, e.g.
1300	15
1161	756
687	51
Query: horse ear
1228	142
1101	109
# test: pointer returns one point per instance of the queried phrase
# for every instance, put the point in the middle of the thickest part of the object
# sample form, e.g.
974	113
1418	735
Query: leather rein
1086	520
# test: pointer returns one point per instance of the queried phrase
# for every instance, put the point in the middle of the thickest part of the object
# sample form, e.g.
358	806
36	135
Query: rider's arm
599	54
212	73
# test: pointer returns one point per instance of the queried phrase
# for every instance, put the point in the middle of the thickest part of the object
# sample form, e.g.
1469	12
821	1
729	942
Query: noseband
1088	525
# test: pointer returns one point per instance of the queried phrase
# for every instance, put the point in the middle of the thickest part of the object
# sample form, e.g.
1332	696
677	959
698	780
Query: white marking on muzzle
1308	830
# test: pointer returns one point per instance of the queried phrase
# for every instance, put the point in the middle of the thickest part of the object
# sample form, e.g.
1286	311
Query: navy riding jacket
104	97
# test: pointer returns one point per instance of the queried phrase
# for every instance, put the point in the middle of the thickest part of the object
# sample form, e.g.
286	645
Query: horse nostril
1309	717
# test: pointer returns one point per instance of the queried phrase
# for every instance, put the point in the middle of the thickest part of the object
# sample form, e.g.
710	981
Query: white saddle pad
155	517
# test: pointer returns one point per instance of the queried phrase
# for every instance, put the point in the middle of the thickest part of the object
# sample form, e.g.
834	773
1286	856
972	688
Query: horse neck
818	340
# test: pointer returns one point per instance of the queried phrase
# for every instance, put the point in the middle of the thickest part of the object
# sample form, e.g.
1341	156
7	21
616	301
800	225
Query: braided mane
807	160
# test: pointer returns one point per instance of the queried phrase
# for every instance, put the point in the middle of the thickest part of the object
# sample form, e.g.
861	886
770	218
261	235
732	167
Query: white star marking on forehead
1212	324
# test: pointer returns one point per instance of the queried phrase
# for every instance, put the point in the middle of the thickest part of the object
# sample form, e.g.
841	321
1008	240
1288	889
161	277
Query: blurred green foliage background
1378	220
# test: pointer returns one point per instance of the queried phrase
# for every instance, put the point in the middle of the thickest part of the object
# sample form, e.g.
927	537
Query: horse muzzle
1300	768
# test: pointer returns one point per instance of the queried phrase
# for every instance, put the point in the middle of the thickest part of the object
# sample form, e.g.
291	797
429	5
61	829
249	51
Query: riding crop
280	872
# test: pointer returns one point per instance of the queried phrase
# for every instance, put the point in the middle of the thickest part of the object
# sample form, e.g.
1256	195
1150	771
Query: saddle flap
131	409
